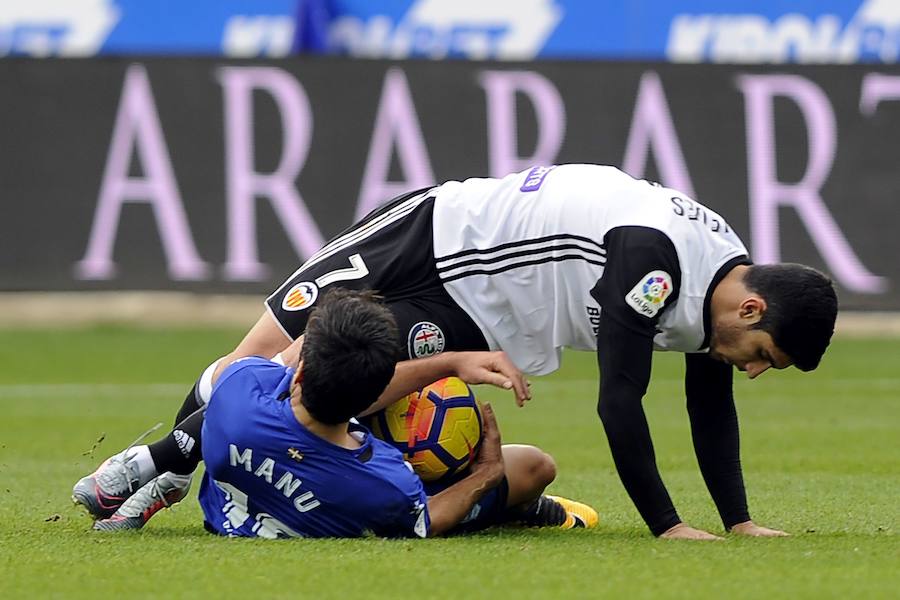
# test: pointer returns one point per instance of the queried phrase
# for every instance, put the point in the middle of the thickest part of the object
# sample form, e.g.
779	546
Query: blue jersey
268	476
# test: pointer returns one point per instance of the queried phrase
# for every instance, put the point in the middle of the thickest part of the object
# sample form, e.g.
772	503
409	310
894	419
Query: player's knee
529	470
545	469
541	468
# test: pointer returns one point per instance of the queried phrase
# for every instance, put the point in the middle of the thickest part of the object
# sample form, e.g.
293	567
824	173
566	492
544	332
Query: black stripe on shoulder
529	252
527	263
549	238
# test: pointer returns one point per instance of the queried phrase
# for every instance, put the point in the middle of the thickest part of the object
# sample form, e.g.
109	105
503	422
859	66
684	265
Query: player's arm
624	358
474	368
629	315
447	508
290	357
714	428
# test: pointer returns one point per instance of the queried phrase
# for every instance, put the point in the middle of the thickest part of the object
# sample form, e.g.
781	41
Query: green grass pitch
821	457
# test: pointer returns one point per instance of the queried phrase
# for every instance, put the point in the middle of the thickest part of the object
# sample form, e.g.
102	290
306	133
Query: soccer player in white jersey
585	257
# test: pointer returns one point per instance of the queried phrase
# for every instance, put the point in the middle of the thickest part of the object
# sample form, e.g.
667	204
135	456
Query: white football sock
204	384
140	455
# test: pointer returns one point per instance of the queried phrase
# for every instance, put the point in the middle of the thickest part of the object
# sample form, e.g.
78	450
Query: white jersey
522	254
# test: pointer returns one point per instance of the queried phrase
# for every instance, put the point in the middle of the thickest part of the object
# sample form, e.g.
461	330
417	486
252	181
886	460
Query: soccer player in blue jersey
284	460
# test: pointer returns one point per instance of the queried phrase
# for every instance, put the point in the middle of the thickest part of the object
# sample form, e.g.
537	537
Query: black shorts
490	509
391	251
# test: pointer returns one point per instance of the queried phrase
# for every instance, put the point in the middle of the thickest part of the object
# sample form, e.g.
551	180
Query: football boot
102	492
578	515
158	493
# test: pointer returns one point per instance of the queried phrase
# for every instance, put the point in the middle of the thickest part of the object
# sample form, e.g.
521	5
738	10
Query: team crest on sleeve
649	295
301	296
425	339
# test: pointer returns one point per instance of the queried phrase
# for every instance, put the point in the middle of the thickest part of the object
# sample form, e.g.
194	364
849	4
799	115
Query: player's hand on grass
752	529
686	532
489	461
493	368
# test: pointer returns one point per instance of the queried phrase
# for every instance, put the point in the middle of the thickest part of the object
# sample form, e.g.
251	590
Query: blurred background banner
222	175
806	31
80	28
730	31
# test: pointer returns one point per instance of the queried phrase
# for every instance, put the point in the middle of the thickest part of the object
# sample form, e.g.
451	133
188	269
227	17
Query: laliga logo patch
425	339
301	296
650	293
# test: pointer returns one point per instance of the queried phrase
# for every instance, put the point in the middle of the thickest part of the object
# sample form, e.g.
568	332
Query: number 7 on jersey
356	270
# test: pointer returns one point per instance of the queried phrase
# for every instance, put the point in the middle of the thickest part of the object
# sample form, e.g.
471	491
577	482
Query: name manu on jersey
286	484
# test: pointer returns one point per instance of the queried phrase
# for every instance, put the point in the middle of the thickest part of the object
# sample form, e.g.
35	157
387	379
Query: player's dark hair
349	354
801	307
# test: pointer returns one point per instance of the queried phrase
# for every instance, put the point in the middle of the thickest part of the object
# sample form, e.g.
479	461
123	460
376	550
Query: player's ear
752	309
298	374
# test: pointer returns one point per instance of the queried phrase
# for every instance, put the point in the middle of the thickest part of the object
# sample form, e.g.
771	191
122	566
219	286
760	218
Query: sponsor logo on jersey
301	296
650	293
593	315
535	178
425	339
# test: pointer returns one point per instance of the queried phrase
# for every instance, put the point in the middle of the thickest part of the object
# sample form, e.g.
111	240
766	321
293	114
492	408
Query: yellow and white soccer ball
438	429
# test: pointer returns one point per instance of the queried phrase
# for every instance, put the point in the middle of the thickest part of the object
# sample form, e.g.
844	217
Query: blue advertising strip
719	31
731	31
121	27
